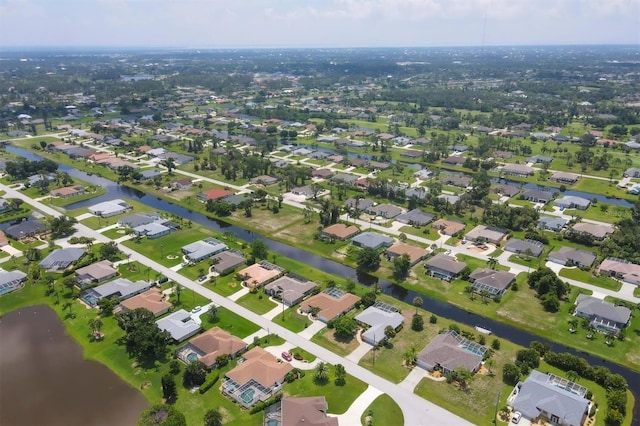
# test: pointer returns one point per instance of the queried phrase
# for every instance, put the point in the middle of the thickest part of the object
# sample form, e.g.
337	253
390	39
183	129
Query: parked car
287	356
202	278
196	309
516	417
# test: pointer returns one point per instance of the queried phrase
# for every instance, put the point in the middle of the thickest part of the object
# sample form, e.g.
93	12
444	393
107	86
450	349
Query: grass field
292	320
383	411
589	278
258	302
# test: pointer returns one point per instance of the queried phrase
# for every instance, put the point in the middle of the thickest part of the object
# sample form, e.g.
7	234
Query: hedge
208	384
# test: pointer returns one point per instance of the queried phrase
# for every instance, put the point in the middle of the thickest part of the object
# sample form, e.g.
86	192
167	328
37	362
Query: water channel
46	382
438	307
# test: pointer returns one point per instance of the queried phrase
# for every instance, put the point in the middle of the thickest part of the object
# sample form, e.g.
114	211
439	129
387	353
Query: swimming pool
192	357
273	422
247	396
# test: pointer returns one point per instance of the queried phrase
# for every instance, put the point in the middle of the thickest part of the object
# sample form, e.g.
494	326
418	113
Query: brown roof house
67	191
290	289
259	376
448	227
211	344
415	253
95	273
151	300
444	267
598	232
518	170
259	274
487	234
448	351
309	411
626	271
340	231
227	262
330	304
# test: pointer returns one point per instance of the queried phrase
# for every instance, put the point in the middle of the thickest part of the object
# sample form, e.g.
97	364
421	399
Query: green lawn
589	278
424	232
292	320
225	286
60	202
612	213
383	411
231	322
339	398
327	339
256	302
167	250
116	233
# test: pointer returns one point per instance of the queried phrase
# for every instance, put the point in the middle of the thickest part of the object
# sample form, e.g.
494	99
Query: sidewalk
355	411
360	351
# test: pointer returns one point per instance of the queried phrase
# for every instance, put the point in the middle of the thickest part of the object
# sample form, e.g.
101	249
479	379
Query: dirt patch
172	257
476	249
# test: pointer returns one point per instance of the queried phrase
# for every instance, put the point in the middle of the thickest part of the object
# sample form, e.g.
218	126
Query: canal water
44	380
438	307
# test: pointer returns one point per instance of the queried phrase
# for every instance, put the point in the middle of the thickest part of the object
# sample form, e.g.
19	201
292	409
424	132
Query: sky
316	23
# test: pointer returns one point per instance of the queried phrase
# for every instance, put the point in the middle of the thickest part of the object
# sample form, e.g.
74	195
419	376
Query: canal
438	307
46	382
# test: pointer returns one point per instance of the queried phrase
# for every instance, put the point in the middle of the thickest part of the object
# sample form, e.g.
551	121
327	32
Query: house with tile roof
211	344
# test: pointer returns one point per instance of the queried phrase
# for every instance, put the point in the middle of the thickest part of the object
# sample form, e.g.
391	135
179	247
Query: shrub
208	384
417	323
262	405
433	319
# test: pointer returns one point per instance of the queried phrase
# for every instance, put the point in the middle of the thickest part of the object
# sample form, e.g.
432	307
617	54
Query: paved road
416	410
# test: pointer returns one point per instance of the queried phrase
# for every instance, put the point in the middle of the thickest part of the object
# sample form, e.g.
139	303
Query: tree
259	250
162	415
143	337
527	360
368	299
213	313
401	266
213	417
321	373
410	356
170	164
341	374
62	226
417	323
368	260
109	251
194	374
511	374
107	305
345	327
417	302
95	324
389	332
169	390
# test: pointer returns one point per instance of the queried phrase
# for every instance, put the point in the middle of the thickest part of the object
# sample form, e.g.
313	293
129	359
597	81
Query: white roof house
179	325
203	249
110	208
378	317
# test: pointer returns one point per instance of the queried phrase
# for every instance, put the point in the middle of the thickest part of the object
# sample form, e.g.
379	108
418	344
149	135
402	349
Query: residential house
3	239
152	300
330	304
632	172
419	192
572	202
505	190
449	351
179	325
360	204
490	234
226	262
564	177
453	161
604	316
569	256
537	196
411	153
264	180
343	177
11	280
552	398
95	273
138	219
459	181
322	173
494	282
539	159
120	288
60	259
203	249
340	231
26	229
153	230
67	191
210	345
415	217
149	174
387	211
256	378
597	232
214	194
291	289
305	191
448	226
415	253
181	184
259	274
444	267
309	411
376	319
423	174
518	170
530	247
621	269
555	224
371	240
451	199
110	208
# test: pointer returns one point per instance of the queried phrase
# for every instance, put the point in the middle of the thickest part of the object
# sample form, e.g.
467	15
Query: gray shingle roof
372	239
416	217
595	307
445	263
179	325
61	258
521	246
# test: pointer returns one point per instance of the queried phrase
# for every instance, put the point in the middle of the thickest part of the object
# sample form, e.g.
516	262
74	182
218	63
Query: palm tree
341	373
410	356
321	373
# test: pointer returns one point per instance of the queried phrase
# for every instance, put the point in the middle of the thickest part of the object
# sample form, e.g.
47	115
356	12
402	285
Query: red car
287	356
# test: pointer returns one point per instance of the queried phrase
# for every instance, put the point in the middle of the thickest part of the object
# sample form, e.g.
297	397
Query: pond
45	380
